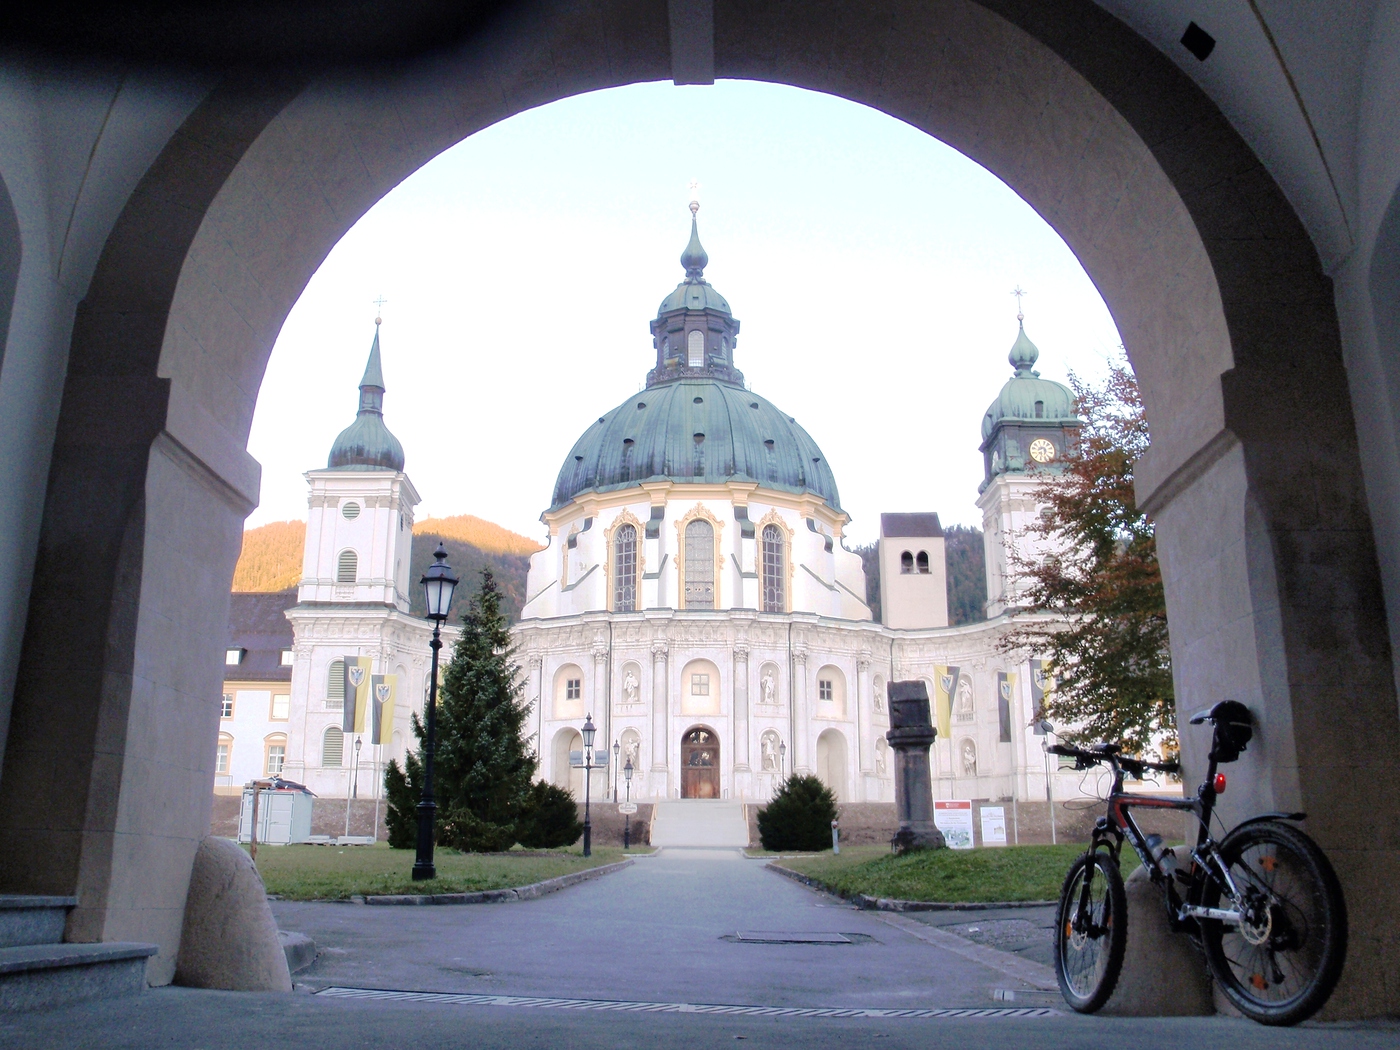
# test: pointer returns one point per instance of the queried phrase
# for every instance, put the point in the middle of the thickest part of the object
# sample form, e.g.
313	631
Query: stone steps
37	969
699	822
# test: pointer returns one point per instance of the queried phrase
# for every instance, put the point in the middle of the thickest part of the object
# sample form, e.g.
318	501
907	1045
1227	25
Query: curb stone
515	893
868	903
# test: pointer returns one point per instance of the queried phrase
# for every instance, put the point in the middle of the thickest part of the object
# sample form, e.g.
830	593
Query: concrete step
26	919
699	822
34	976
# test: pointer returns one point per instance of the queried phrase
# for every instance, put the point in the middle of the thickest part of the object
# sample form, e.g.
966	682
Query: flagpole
378	754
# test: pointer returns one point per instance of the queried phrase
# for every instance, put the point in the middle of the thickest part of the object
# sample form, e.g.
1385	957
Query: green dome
366	444
1027	396
695	431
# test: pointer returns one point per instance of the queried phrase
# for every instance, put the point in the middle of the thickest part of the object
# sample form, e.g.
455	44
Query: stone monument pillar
910	736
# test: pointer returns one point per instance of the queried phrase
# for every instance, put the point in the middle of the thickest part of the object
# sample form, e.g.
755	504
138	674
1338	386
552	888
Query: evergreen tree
403	788
1111	663
483	767
799	816
966	560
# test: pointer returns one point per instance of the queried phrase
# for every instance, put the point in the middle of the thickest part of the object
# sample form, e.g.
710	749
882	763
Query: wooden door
700	765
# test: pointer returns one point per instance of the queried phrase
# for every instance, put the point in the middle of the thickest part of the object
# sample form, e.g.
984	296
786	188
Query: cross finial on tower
694	196
379	310
1018	293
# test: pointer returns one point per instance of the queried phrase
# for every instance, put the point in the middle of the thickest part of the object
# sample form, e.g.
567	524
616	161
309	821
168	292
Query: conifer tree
483	768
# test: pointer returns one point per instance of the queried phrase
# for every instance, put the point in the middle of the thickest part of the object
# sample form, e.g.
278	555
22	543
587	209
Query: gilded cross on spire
1018	293
379	310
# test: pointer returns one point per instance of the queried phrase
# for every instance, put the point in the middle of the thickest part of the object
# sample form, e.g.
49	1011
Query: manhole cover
767	937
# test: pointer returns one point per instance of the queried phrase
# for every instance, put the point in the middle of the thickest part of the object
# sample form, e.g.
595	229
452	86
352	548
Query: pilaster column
741	708
801	715
535	663
865	712
659	713
602	709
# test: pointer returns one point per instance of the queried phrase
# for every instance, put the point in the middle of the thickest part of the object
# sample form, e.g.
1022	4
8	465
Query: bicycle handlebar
1103	755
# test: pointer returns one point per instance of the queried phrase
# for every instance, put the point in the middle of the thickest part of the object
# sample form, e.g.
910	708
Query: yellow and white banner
385	689
945	687
358	681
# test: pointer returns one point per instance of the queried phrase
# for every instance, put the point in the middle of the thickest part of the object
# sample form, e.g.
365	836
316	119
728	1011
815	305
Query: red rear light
1219	783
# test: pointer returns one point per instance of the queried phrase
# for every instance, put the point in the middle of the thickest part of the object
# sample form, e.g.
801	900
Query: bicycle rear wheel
1091	931
1280	965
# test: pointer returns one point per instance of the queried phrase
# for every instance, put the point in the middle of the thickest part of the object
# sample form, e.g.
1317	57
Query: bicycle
1263	903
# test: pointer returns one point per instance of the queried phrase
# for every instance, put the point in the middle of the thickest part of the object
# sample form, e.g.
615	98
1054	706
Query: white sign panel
993	826
953	817
627	807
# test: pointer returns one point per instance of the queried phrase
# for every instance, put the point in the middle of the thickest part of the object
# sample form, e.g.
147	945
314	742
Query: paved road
654	931
659	932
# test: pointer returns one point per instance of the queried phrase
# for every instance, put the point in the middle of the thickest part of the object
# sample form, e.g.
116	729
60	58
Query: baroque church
696	597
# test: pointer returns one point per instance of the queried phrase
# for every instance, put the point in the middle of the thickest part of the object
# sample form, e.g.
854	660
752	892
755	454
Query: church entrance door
700	764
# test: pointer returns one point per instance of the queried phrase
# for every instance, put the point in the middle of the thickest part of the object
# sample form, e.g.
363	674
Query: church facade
695	597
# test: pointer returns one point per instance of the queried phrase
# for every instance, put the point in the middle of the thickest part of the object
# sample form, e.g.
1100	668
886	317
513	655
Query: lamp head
588	730
438	585
627	770
782	748
1046	727
617	748
358	742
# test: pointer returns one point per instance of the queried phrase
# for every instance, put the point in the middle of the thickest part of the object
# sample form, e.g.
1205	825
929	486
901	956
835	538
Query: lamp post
782	759
617	751
627	817
588	730
355	782
438	585
1048	729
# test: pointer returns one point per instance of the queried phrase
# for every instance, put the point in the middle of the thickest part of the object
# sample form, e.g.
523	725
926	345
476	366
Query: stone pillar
602	712
659	719
911	734
865	713
801	717
533	689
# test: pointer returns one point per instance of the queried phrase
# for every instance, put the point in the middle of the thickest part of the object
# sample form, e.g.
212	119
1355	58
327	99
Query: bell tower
359	529
1026	434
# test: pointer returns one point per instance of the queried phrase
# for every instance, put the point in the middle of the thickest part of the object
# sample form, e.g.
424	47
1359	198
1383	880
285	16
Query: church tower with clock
1025	435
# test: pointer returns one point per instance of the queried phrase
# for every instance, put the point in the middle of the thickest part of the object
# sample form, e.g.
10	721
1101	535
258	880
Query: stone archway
1254	476
833	763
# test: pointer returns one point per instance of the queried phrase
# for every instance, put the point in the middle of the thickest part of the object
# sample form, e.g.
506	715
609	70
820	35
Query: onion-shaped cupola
694	332
1032	423
366	444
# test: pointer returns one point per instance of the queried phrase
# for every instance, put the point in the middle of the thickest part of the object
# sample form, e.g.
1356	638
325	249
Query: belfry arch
1254	474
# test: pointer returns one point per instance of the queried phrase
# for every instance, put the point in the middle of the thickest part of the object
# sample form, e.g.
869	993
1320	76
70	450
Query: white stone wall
1010	505
248	729
380	534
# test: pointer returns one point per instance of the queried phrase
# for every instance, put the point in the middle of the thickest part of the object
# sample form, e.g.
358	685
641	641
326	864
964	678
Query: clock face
1042	451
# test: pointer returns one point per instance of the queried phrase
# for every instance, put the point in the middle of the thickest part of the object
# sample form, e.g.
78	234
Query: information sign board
993	826
953	817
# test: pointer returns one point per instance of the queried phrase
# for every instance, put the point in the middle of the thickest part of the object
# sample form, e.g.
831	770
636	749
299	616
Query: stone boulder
229	940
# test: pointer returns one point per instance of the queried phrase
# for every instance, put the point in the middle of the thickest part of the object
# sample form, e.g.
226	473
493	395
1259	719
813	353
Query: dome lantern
694	331
1032	424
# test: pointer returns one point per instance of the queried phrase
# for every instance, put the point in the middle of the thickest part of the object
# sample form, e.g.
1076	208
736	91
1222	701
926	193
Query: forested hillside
272	554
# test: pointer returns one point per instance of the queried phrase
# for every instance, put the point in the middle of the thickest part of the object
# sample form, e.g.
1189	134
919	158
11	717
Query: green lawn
304	873
1007	873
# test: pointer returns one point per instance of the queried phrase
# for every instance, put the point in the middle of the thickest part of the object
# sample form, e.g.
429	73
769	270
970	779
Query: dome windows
699	565
774	565
1040	410
625	569
695	348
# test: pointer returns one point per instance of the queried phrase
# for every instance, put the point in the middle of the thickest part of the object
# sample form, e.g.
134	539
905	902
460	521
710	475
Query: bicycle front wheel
1091	931
1281	963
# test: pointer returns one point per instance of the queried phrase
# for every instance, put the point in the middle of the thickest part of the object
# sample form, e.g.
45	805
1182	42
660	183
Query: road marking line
1032	973
622	1006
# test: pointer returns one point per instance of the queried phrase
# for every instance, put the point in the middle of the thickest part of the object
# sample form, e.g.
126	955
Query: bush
550	818
461	829
799	817
402	792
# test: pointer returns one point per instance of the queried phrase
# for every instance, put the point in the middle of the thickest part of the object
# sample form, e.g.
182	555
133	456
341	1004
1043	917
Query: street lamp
782	759
588	730
355	783
1046	728
617	750
438	585
627	817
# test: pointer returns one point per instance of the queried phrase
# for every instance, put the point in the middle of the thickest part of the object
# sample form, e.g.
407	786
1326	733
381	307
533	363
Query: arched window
699	565
274	754
335	686
625	569
333	747
695	345
1040	410
923	561
906	562
347	567
774	570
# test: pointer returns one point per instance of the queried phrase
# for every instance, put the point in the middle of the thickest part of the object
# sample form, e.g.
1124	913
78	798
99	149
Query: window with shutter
335	686
347	567
333	747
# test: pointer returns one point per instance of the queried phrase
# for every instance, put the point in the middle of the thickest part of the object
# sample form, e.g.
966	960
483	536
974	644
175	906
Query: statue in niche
632	749
768	747
969	758
882	752
879	697
769	685
629	687
966	710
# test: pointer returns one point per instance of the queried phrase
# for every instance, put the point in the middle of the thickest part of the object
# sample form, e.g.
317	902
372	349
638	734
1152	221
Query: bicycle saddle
1234	728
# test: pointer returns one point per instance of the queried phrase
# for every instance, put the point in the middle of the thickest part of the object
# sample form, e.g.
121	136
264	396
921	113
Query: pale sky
869	265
